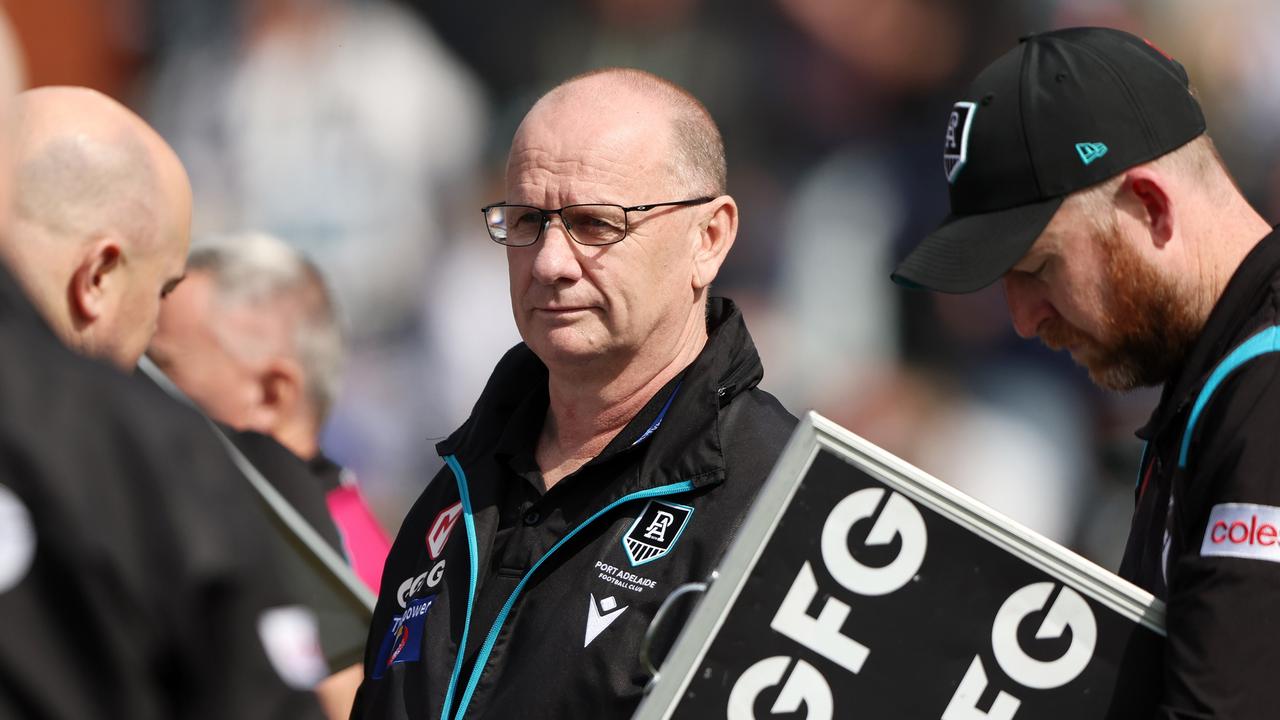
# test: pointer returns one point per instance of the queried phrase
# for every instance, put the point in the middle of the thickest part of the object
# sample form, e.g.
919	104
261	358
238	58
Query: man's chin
1114	375
566	347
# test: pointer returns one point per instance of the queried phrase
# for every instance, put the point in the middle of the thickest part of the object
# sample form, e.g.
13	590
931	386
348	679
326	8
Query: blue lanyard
662	414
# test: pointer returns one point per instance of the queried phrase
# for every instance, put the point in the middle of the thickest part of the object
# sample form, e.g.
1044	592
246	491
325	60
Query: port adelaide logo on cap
656	531
955	148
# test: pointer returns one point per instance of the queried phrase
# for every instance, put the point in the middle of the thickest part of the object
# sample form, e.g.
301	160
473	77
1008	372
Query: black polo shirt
531	520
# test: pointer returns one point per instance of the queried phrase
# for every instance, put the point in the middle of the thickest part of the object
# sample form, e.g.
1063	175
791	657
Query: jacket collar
16	307
686	444
1230	322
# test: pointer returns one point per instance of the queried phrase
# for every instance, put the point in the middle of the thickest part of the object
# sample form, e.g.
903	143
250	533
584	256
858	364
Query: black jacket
1208	490
130	578
550	594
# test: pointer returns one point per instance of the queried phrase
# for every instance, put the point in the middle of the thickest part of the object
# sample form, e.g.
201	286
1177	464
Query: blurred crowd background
368	133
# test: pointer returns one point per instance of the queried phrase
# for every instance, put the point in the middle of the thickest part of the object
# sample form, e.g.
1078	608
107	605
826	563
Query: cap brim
969	252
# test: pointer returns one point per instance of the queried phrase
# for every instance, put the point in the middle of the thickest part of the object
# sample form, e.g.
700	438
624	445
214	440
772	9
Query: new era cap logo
601	615
955	147
1090	151
655	532
441	528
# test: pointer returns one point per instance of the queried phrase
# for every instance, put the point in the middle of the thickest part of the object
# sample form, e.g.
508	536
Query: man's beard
1149	323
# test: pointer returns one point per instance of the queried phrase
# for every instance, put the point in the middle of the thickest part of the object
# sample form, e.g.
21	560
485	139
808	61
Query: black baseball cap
1060	112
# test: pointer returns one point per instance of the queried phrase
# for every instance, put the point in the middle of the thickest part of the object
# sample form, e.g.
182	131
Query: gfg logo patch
656	531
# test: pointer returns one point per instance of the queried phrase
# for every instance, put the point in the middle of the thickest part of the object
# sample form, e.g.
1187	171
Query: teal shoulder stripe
1267	341
468	519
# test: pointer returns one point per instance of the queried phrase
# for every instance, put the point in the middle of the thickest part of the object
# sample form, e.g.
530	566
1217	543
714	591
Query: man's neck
586	412
1229	244
300	439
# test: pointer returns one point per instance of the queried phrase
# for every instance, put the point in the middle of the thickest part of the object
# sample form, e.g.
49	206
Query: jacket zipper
482	658
468	519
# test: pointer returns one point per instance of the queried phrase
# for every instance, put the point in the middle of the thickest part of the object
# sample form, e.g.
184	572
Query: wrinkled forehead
579	149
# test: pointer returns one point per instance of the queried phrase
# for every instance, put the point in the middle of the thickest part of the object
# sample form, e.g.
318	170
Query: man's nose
1028	304
557	258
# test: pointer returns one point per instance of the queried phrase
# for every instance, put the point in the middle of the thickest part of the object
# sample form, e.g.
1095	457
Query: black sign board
860	587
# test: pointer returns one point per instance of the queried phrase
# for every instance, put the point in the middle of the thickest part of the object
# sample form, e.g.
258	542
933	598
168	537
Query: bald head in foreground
101	220
11	81
613	453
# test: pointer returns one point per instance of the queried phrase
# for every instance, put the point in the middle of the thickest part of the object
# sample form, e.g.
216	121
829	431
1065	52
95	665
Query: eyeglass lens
588	224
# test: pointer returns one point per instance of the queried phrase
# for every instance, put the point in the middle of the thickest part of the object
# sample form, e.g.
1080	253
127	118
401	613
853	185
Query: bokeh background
368	133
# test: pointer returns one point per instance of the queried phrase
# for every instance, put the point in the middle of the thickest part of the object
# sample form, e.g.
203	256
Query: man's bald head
698	157
102	215
634	141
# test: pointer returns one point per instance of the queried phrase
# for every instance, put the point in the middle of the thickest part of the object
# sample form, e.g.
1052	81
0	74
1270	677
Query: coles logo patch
1243	530
656	531
403	642
441	528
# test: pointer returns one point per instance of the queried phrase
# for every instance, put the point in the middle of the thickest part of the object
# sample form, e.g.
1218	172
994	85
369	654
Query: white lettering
899	518
964	704
952	123
437	572
657	530
415	585
804	685
1068	611
822	635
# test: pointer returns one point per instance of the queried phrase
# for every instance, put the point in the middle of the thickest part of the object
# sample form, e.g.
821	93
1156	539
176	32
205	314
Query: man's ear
716	233
1148	191
96	281
279	396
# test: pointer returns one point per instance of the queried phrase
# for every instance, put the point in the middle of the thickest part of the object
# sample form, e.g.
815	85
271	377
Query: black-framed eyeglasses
588	223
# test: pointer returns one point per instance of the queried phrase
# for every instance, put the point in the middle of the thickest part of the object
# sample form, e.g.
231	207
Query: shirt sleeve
1224	564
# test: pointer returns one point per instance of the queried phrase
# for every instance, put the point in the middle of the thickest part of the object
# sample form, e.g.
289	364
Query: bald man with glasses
613	453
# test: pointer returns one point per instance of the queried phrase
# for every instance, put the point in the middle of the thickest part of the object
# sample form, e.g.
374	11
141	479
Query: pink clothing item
364	540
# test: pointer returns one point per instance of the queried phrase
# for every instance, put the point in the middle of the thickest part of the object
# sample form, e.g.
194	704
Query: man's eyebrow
172	285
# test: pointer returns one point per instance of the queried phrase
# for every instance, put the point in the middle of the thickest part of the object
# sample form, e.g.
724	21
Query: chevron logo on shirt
600	615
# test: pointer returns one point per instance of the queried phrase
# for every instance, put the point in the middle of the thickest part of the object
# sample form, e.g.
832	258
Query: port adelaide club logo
955	147
655	532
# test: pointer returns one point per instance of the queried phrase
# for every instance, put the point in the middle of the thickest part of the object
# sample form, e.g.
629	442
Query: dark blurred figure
251	336
129	579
